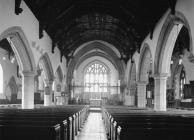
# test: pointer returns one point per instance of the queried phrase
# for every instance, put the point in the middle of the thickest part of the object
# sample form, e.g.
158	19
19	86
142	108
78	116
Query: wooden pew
30	132
143	126
63	116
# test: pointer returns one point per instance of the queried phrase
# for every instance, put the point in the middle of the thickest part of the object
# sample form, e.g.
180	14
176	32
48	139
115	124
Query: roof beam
18	10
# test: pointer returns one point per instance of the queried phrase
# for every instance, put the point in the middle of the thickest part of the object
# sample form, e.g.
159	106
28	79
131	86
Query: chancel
96	69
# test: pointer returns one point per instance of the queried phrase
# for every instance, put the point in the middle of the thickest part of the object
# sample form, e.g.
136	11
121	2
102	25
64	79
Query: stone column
141	93
48	93
160	92
28	89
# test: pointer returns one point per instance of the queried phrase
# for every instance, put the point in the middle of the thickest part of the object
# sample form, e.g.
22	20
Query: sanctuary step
95	109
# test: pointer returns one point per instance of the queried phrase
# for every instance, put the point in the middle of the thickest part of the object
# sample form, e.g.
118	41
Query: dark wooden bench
44	116
125	124
30	132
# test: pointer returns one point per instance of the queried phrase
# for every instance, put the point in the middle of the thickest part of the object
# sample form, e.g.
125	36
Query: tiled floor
93	128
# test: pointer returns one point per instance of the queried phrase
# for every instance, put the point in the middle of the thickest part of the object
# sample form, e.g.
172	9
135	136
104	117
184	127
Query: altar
95	102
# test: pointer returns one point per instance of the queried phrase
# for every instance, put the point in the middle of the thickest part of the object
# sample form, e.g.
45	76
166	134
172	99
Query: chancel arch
94	49
21	48
106	88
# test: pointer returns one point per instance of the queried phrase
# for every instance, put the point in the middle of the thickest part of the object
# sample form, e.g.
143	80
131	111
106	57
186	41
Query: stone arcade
83	57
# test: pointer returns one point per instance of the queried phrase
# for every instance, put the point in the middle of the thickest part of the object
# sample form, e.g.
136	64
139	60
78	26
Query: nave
77	122
94	127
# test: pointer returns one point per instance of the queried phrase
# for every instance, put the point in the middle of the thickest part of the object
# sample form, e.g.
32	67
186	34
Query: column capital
28	73
161	76
48	81
141	83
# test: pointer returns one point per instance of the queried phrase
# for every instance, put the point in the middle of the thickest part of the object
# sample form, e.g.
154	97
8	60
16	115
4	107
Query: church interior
96	69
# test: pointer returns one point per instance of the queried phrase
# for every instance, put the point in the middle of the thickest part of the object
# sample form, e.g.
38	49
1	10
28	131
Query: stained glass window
182	81
96	78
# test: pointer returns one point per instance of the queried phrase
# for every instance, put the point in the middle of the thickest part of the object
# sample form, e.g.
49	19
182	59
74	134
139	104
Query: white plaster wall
100	41
127	72
136	58
9	70
30	26
152	43
186	7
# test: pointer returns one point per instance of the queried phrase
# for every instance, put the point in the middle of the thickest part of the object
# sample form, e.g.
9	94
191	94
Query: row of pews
124	123
44	123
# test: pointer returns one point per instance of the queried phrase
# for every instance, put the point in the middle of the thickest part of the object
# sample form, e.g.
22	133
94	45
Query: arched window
182	81
96	78
1	79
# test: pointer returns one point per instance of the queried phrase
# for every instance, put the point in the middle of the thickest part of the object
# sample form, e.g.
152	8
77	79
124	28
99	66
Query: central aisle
93	129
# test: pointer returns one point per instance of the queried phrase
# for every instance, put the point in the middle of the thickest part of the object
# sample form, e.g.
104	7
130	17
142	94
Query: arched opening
177	81
10	86
132	85
87	51
19	45
45	80
59	98
173	48
146	80
1	79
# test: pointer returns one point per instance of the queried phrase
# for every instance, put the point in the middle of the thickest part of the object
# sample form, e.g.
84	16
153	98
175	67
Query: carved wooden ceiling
123	23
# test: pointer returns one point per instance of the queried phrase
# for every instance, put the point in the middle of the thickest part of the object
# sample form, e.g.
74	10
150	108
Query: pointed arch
86	51
96	77
132	79
45	64
132	73
144	62
166	42
59	72
21	47
1	79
